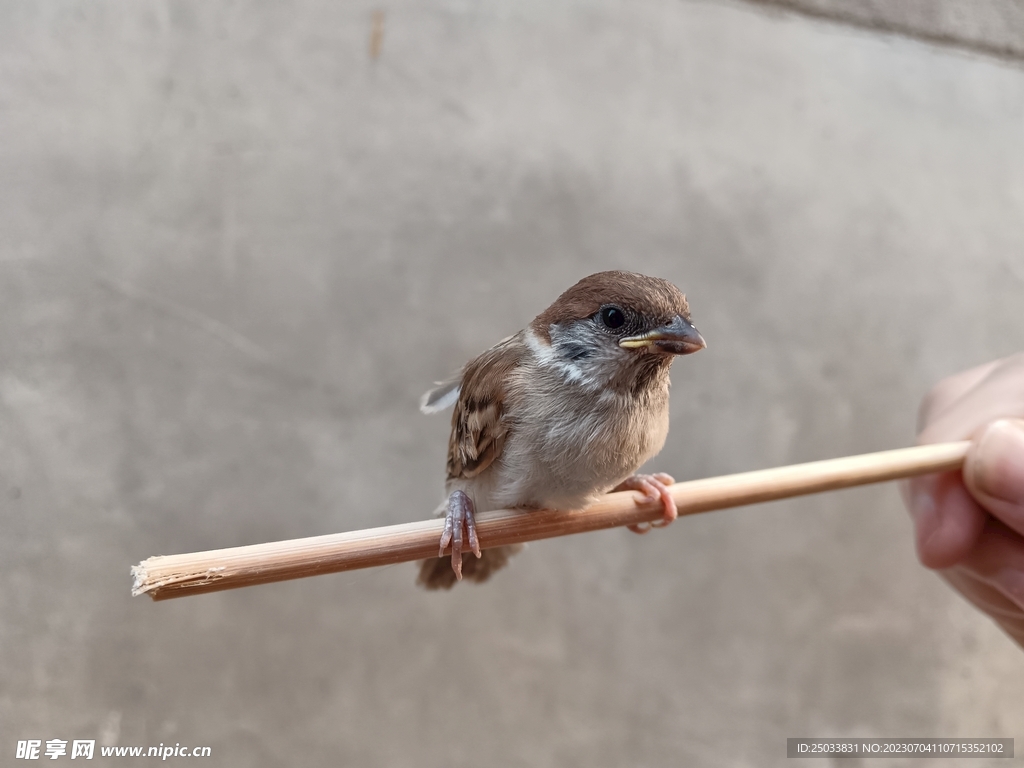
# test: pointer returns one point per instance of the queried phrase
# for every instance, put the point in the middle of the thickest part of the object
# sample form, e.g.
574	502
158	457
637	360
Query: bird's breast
567	445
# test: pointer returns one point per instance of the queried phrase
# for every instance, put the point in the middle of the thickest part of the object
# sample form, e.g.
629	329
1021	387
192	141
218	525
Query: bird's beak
676	338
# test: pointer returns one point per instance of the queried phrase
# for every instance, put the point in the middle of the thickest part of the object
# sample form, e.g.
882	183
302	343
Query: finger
949	390
987	598
947	520
640	528
999	394
997	561
982	594
663	478
994	471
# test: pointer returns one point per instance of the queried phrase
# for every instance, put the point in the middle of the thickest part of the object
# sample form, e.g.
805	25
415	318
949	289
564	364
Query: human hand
969	525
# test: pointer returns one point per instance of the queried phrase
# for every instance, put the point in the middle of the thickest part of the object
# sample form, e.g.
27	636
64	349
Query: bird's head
615	329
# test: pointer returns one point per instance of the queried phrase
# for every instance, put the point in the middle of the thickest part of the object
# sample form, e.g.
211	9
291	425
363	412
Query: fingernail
998	465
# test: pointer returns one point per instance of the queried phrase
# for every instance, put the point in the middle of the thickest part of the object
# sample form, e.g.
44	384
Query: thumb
994	471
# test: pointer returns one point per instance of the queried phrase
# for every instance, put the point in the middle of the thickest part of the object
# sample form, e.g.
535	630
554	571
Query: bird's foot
654	487
459	515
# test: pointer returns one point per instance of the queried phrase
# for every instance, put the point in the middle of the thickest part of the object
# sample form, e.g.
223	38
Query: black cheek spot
575	350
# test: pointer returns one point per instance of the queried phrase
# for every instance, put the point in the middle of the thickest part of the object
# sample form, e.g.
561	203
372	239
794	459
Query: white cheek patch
548	358
592	370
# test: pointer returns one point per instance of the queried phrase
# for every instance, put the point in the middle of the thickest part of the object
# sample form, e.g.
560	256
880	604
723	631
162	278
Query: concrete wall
235	247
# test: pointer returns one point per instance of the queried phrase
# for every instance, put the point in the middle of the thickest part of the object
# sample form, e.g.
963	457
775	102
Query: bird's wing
480	423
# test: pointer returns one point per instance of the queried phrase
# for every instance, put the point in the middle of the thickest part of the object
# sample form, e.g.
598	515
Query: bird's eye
612	317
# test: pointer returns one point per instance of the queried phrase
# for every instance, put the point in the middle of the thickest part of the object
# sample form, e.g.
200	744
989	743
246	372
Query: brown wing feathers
478	424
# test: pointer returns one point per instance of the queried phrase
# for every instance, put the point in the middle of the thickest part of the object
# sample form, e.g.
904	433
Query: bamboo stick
167	576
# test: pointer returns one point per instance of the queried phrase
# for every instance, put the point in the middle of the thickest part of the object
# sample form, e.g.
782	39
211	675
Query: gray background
235	248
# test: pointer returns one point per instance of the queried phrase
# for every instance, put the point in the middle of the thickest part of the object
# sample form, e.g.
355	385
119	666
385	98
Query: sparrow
561	413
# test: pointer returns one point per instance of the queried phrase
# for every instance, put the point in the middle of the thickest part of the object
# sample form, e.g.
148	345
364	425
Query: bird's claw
459	515
653	487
